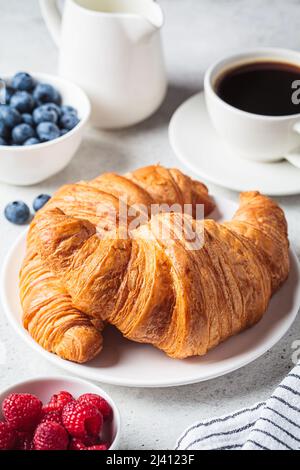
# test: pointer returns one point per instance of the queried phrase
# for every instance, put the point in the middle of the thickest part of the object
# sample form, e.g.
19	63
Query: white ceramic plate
198	146
123	362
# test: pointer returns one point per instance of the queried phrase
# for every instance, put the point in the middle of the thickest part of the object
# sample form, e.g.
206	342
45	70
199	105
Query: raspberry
91	441
98	447
7	436
82	419
58	401
99	402
22	411
50	436
76	444
23	441
53	416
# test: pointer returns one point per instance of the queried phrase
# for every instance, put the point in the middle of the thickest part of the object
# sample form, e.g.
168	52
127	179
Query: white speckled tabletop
196	33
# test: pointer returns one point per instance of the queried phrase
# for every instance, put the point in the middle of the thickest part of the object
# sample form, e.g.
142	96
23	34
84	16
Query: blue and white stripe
270	425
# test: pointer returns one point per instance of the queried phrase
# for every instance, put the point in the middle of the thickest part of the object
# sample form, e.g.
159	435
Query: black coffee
261	88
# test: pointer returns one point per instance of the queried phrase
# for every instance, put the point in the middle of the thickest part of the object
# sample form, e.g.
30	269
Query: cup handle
52	17
293	156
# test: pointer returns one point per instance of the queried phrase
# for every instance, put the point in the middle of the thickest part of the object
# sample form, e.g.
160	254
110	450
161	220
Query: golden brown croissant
49	312
162	290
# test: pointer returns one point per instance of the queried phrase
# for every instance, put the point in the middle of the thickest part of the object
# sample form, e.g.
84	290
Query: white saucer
198	146
123	362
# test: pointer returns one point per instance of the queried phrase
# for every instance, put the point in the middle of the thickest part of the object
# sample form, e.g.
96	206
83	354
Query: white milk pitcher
112	48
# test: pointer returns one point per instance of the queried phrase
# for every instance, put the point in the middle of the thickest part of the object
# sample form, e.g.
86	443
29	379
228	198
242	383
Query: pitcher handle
52	17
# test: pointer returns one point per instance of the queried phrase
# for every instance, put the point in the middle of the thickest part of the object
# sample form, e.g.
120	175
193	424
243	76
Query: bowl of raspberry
42	121
58	413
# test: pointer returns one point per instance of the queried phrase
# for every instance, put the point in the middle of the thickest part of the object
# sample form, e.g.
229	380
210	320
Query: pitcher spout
151	21
155	16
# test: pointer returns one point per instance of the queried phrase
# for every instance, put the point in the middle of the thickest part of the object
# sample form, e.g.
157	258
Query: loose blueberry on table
40	201
33	113
64	423
17	212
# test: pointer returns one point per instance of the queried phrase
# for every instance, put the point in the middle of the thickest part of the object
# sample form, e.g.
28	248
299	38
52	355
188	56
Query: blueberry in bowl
10	116
46	93
22	133
42	119
22	101
68	121
23	81
47	131
65	109
45	113
32	102
32	141
27	119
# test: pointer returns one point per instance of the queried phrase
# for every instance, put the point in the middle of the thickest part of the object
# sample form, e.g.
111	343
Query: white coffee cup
253	136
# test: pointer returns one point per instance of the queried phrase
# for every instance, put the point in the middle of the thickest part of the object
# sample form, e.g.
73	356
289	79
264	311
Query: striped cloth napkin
270	425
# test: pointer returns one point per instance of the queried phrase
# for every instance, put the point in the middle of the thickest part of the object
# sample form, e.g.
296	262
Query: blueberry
40	201
28	119
21	133
45	113
3	142
10	116
4	131
45	93
68	110
32	141
64	132
68	121
47	131
55	107
17	212
22	101
23	81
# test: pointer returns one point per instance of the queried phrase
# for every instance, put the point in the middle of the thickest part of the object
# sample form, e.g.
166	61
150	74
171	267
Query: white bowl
45	387
26	165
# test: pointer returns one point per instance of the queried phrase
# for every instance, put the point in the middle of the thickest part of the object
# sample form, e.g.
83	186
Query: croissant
181	297
50	314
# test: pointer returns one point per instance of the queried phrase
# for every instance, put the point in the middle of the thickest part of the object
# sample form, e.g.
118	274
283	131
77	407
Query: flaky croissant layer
54	318
155	289
158	290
